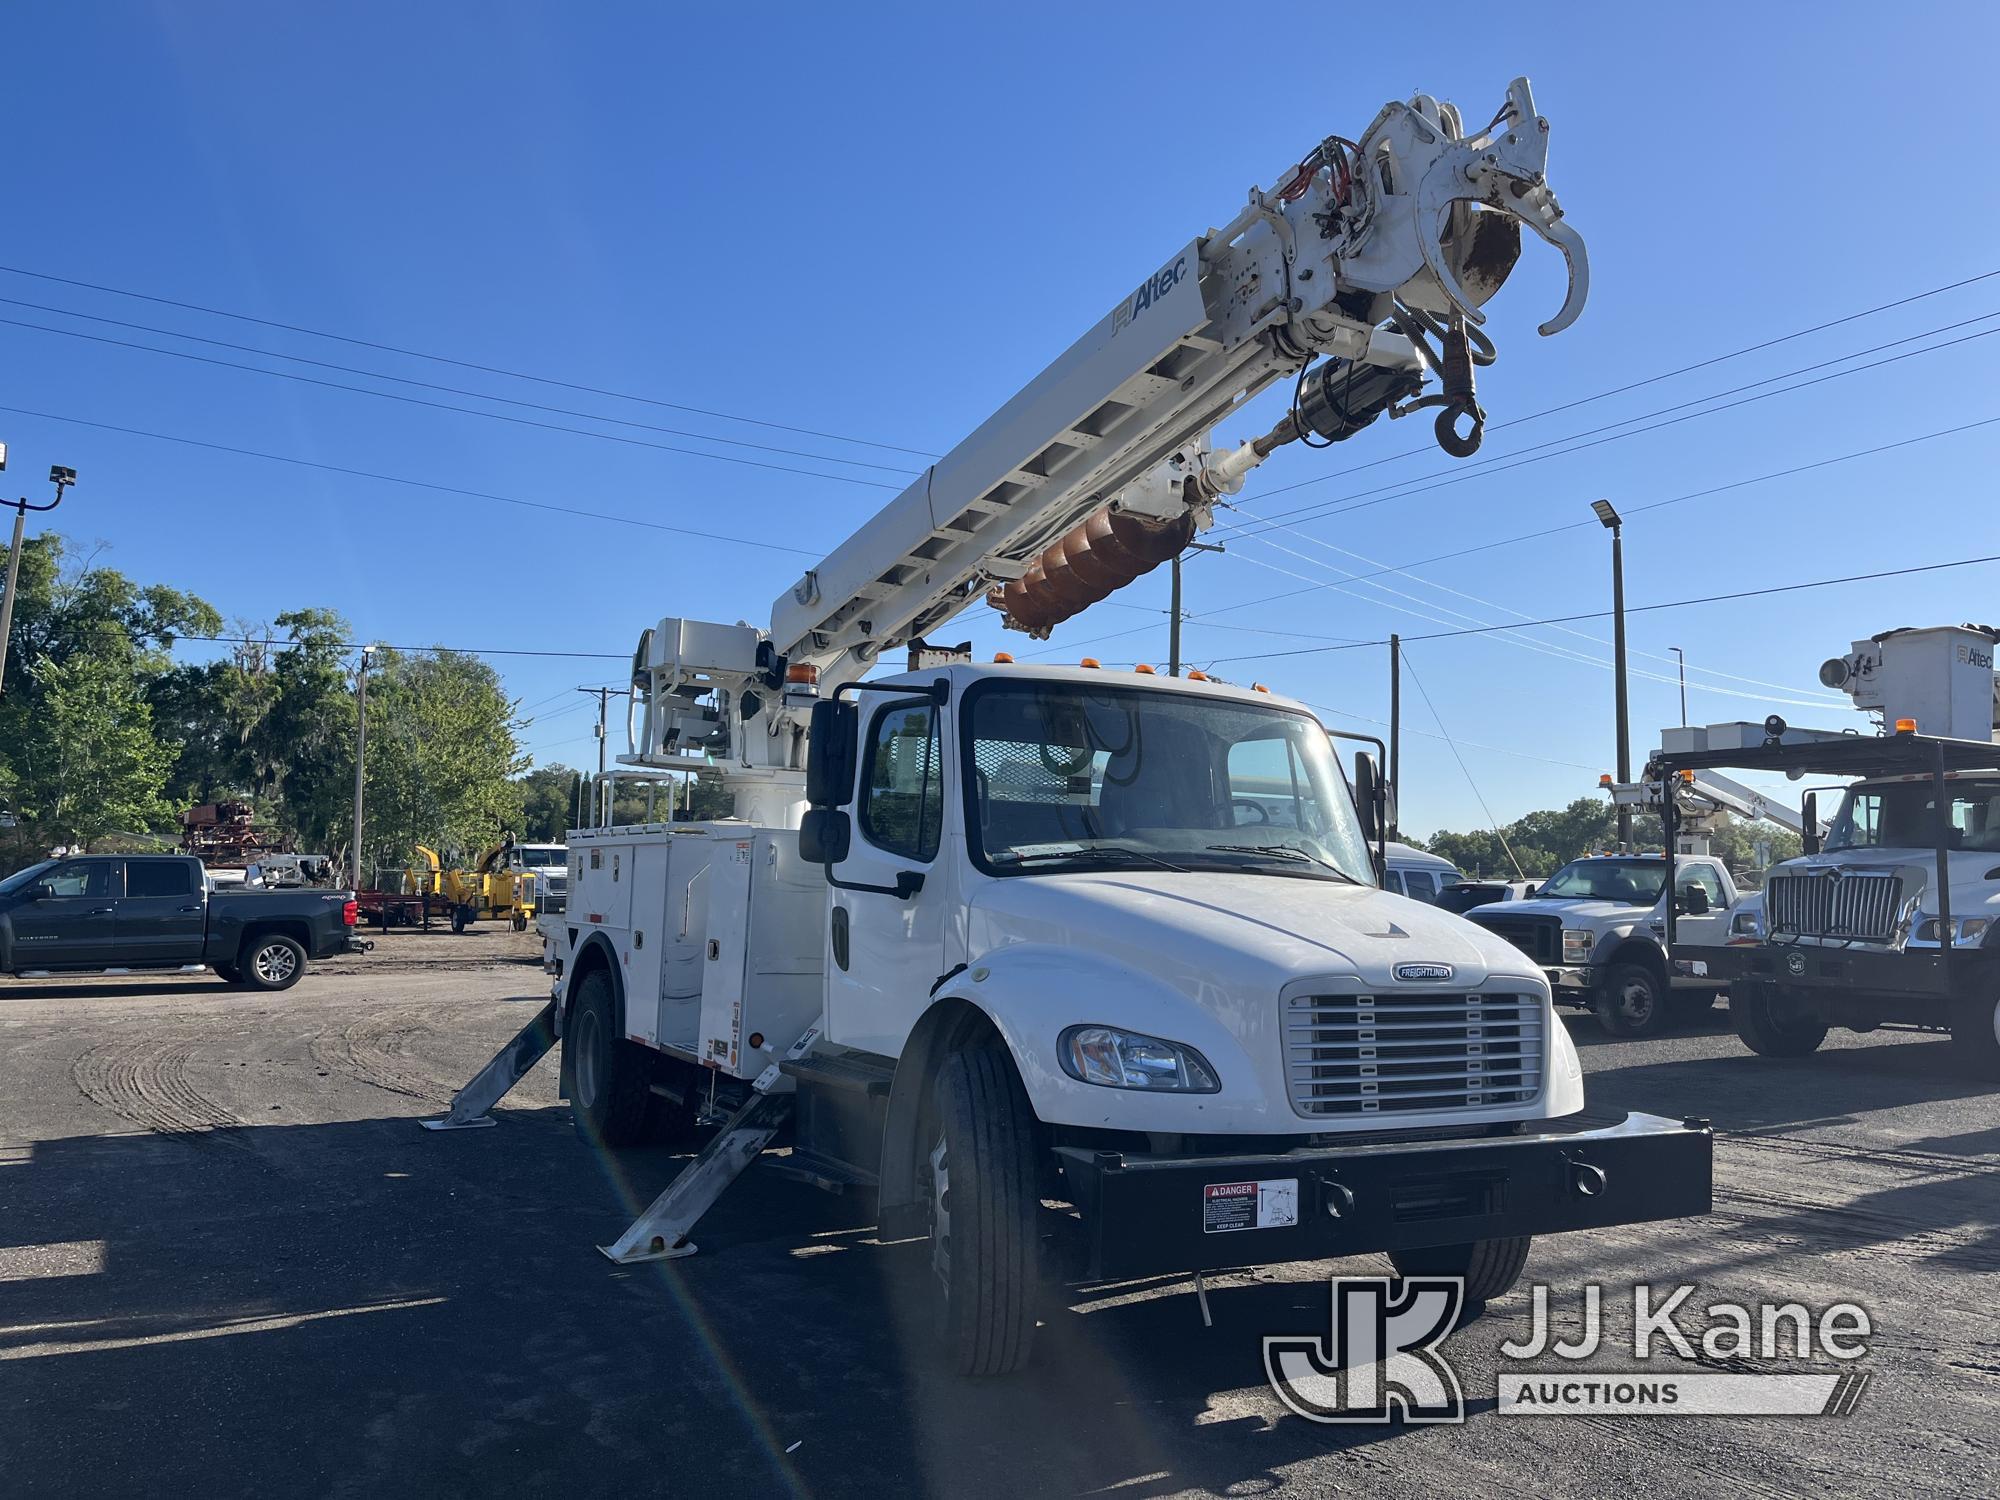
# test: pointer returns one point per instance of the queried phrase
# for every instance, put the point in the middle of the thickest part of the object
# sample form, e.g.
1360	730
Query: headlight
1970	931
1746	924
1127	1060
1577	946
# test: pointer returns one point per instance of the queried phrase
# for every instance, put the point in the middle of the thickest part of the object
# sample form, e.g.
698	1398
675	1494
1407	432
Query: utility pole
62	479
360	752
1615	524
601	802
1684	683
1395	765
1174	614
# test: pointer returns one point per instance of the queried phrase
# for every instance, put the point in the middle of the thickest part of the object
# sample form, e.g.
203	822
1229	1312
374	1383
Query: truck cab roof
963	675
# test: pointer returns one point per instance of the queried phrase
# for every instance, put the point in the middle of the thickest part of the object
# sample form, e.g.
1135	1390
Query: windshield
1634	882
537	856
20	878
1902	815
1068	776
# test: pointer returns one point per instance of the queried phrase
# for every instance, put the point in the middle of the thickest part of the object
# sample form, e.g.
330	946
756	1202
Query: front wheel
520	922
1490	1267
979	1166
1769	1026
1631	1001
272	963
608	1074
1975	1037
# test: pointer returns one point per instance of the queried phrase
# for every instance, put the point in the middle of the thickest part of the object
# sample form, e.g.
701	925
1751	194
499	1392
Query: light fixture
1606	514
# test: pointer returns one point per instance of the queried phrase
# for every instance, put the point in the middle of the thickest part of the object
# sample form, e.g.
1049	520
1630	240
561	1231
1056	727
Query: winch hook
1460	398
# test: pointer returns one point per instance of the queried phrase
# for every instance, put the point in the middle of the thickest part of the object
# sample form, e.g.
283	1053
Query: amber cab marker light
1142	669
1604	780
1195	674
1258	687
1003	658
1090	661
1906	726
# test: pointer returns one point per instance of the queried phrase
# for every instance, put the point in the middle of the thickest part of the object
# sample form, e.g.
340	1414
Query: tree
1546	840
441	752
89	764
548	803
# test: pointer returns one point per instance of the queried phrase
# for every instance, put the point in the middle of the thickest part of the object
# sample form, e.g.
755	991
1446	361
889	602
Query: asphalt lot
231	1265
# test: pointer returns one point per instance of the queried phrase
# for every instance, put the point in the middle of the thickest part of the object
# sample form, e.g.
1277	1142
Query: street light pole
1615	525
1174	613
62	479
1682	655
360	753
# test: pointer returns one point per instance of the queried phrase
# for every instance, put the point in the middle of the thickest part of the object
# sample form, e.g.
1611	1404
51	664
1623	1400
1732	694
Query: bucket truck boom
985	936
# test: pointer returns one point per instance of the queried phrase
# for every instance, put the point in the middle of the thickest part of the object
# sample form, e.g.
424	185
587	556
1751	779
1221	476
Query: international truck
1083	973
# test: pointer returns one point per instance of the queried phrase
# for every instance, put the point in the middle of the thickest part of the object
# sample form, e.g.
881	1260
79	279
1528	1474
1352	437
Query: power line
1639	609
258	640
428	385
422	484
359	343
1498	833
469	411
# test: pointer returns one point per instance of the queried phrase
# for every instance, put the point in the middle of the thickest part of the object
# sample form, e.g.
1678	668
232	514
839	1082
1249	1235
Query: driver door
884	951
71	923
1709	929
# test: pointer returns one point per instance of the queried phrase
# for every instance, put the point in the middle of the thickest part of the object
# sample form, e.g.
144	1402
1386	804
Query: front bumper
1147	1215
1573	977
1850	972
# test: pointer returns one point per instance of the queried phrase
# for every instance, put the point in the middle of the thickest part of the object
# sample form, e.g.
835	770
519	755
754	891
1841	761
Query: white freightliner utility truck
1082	973
1598	926
1894	919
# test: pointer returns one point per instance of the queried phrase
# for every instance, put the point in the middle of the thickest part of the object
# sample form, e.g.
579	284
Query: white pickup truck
1597	929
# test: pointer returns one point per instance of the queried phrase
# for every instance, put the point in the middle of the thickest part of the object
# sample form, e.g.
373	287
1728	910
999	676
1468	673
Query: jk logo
1380	1359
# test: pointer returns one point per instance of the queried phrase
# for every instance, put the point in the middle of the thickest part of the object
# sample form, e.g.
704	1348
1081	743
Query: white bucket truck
1082	973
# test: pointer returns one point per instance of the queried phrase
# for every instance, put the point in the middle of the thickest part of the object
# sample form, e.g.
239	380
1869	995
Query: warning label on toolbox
1229	1206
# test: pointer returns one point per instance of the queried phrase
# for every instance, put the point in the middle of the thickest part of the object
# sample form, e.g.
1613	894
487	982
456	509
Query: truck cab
1106	939
1597	929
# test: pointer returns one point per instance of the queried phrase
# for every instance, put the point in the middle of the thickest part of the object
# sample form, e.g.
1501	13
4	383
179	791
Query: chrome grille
1858	907
1400	1054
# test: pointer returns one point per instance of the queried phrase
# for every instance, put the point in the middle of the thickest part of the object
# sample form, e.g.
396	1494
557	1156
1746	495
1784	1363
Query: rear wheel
1631	1001
520	922
461	918
1490	1267
1771	1026
608	1074
1975	1037
272	962
979	1186
228	973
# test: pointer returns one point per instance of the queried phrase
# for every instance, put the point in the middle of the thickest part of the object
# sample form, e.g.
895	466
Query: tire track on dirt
146	1082
375	1049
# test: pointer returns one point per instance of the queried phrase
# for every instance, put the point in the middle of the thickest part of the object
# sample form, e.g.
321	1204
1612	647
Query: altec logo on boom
1151	290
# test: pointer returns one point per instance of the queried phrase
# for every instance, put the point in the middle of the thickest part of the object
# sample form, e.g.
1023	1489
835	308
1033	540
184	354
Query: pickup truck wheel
1975	1037
1765	1026
1490	1267
979	1187
608	1074
1631	1001
272	962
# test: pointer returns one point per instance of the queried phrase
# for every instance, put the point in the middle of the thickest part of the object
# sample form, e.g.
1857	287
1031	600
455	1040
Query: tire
461	918
608	1075
1631	1001
1490	1267
520	922
1975	1037
981	1268
228	973
271	962
1760	1021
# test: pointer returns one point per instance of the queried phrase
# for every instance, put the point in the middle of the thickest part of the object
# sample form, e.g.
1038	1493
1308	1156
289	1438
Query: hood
1575	913
1202	923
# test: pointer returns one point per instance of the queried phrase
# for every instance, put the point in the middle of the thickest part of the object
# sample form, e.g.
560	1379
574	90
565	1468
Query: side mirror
830	754
824	835
1369	797
1694	901
1809	839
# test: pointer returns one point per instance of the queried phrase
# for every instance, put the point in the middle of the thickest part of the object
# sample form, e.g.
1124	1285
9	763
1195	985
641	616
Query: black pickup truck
159	913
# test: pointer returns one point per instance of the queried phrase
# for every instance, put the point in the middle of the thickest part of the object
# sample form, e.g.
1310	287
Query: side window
82	878
1422	884
164	877
1705	877
1267	785
902	797
1392	880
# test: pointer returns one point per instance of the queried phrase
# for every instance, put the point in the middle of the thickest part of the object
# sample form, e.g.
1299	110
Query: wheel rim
585	1061
1635	1001
940	1163
276	963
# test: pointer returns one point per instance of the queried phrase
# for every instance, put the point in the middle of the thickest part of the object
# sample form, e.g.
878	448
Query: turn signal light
1089	661
1906	726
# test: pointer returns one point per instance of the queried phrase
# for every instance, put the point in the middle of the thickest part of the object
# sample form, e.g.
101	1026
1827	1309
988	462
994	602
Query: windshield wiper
1292	852
1099	852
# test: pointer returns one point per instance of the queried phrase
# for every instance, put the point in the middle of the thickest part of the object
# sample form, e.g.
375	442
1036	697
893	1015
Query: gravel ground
230	1264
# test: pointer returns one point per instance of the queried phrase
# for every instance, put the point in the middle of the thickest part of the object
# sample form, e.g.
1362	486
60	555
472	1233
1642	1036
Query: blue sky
880	222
